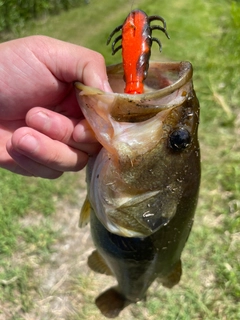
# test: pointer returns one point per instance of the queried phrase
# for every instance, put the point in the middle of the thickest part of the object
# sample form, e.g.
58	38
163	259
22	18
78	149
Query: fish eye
180	139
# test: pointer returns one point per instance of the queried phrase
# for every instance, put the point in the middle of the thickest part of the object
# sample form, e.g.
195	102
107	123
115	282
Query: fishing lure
136	45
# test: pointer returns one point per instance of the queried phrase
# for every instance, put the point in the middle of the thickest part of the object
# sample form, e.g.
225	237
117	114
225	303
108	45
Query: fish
143	186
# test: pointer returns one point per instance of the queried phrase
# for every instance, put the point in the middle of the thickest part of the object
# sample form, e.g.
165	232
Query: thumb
69	62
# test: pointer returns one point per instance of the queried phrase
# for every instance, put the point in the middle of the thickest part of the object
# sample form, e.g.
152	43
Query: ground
65	280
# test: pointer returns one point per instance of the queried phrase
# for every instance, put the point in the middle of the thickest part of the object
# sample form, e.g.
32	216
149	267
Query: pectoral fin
97	263
85	213
146	213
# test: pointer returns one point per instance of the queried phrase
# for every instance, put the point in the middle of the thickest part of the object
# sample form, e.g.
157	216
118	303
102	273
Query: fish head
149	164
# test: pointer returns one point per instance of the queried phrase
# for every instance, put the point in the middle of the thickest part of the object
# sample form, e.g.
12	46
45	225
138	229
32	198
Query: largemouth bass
143	185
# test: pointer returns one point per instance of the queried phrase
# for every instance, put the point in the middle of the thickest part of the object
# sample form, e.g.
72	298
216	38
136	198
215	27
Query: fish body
143	185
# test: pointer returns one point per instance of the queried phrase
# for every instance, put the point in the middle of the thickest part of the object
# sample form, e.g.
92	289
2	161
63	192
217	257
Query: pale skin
42	130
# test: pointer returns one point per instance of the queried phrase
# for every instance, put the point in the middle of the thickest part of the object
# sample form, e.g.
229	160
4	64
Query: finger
8	163
84	133
69	106
44	151
61	128
27	167
7	128
70	62
45	71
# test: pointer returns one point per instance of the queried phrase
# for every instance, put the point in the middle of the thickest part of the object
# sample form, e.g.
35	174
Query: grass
207	34
26	234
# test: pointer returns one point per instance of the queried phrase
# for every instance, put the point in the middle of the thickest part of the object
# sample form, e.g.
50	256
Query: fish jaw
138	180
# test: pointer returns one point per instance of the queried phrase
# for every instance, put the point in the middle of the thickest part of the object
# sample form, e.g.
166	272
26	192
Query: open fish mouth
165	82
139	178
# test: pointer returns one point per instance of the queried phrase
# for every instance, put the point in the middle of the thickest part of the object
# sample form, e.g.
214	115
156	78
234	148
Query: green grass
207	34
27	233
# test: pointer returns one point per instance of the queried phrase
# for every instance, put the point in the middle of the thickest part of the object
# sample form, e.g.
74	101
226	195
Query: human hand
43	132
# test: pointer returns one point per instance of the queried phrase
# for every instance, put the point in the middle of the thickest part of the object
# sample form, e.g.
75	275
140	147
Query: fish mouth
163	77
130	186
167	86
166	81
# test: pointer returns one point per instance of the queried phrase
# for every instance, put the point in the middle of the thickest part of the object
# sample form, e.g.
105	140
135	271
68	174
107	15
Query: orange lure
136	45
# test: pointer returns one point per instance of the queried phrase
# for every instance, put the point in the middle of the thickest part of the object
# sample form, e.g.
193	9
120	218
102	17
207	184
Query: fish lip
183	68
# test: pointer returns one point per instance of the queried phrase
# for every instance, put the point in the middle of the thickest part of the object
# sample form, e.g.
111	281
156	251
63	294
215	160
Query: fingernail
28	143
42	120
106	86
